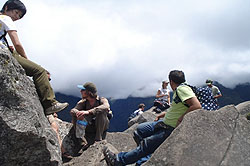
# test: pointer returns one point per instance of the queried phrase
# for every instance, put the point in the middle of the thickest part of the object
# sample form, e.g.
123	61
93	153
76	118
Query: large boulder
207	138
26	135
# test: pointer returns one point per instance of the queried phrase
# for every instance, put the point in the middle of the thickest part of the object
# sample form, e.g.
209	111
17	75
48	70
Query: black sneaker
110	157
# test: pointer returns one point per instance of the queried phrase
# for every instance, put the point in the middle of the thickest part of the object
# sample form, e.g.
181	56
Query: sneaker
110	158
56	108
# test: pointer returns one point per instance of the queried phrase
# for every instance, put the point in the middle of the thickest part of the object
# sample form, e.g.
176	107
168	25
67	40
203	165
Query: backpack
204	95
6	41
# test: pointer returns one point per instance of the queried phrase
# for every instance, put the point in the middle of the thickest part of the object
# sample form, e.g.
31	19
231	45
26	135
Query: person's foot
56	108
110	157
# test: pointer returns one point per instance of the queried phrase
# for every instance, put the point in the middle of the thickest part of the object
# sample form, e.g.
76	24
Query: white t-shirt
138	112
6	24
165	92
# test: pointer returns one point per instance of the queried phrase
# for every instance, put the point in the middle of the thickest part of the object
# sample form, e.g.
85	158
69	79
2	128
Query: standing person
215	90
14	10
162	100
150	135
95	110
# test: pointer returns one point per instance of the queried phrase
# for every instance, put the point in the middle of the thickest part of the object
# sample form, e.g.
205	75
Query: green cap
89	86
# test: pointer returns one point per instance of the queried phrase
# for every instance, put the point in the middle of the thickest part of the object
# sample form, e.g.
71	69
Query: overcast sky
127	47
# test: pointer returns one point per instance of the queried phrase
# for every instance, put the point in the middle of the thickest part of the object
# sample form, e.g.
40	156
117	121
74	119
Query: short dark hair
15	4
177	76
141	105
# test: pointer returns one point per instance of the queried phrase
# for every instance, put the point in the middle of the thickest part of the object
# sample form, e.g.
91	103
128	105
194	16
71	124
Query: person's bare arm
16	42
103	107
161	115
193	104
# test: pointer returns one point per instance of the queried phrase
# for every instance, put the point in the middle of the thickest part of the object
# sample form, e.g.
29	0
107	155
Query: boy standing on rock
14	10
150	135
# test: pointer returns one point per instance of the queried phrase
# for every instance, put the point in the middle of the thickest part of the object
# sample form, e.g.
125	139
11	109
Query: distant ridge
122	108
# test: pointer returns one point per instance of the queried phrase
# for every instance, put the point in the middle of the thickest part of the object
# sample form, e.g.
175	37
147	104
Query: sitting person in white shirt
162	100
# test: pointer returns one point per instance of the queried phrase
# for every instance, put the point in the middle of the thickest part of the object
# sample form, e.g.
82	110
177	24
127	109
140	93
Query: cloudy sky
127	47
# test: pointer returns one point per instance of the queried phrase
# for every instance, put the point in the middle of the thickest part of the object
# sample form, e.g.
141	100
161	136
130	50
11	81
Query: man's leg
41	81
101	125
144	130
148	146
55	127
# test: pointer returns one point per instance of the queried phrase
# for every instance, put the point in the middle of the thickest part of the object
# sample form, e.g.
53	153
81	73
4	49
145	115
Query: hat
89	86
164	81
209	82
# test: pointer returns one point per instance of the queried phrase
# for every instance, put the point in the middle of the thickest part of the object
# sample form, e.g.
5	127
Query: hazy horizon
129	47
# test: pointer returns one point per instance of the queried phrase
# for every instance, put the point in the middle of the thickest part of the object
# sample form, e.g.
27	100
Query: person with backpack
150	135
95	110
162	100
137	112
12	11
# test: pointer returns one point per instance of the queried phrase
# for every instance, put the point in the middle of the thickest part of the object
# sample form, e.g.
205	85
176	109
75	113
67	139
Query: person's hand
157	118
80	114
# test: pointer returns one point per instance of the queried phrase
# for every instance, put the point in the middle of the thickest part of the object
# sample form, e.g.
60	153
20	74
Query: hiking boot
110	157
56	108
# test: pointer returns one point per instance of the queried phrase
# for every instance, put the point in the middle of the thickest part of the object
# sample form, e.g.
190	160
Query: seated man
150	135
95	110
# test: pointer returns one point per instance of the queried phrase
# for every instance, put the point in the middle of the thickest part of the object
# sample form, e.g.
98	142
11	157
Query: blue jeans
151	138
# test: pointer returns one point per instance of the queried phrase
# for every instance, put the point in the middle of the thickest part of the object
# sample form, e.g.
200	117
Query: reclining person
150	135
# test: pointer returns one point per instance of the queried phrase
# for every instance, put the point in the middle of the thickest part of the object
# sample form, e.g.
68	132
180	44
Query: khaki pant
97	127
40	78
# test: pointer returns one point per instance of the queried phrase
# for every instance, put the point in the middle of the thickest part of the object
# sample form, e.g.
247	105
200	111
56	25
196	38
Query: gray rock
207	138
26	137
144	117
121	141
244	108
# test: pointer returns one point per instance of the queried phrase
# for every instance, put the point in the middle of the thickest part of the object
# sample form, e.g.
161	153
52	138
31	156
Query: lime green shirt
178	109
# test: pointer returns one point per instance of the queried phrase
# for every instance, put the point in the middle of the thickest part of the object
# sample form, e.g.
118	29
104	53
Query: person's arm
103	107
161	115
217	96
193	104
158	94
16	42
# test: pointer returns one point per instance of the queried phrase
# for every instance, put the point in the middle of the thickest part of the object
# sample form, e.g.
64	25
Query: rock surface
26	137
204	138
207	138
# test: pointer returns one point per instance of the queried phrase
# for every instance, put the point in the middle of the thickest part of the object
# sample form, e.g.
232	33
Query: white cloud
129	47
